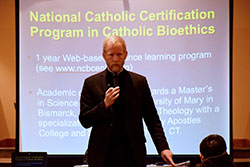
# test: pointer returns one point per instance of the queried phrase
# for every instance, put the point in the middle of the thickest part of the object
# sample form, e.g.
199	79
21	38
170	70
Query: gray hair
114	40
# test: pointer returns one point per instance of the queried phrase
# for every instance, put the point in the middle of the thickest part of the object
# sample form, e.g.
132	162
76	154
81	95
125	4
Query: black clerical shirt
119	148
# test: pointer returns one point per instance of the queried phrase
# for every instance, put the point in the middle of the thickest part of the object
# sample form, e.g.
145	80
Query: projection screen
180	46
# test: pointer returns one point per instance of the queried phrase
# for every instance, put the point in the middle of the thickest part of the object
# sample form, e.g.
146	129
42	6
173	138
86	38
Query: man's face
115	56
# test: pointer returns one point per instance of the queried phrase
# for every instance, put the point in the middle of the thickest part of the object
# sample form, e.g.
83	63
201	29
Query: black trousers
119	155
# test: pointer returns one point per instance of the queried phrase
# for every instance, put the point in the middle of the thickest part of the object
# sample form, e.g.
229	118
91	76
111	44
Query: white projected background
182	47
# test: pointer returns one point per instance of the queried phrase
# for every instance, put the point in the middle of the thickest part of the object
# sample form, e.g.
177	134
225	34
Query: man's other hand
167	157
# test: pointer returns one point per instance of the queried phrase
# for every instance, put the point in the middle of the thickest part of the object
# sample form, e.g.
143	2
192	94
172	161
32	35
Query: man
213	152
114	102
